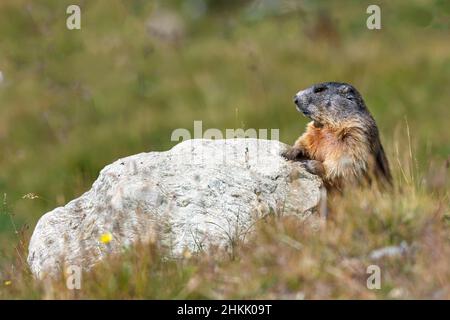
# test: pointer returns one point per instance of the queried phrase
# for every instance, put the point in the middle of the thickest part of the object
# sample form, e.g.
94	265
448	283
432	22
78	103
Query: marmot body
342	143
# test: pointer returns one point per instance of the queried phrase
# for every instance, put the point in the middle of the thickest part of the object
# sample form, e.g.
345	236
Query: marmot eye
319	89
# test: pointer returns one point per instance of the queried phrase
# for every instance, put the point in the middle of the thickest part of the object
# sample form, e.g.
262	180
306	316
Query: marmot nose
295	99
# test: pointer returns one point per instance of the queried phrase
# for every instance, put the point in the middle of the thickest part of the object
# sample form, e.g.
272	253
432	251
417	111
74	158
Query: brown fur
343	153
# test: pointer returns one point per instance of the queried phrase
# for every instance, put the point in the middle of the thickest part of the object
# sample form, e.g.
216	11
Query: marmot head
331	103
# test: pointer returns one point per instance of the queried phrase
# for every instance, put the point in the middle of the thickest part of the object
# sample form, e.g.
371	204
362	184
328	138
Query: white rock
166	26
390	251
199	193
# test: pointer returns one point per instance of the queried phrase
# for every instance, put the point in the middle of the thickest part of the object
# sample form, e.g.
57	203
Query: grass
287	259
74	101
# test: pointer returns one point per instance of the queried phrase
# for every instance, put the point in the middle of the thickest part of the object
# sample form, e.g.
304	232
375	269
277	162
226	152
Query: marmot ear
345	89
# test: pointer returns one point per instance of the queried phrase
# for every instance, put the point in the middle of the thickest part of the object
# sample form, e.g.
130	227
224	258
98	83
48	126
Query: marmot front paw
314	167
292	154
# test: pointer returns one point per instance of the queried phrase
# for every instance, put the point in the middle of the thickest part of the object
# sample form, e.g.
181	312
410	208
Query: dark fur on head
331	103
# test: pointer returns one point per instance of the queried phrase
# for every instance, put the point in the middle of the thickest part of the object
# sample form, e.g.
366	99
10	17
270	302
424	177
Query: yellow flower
106	238
7	282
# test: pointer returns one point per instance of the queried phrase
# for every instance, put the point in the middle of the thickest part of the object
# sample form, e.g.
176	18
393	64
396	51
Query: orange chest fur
323	143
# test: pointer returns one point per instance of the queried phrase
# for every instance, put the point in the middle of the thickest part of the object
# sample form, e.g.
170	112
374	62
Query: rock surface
199	193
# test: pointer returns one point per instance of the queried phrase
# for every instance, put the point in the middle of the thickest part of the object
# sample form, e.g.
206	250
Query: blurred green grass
73	101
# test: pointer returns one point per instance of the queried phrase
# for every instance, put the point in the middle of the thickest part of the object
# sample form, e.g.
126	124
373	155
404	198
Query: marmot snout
341	143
